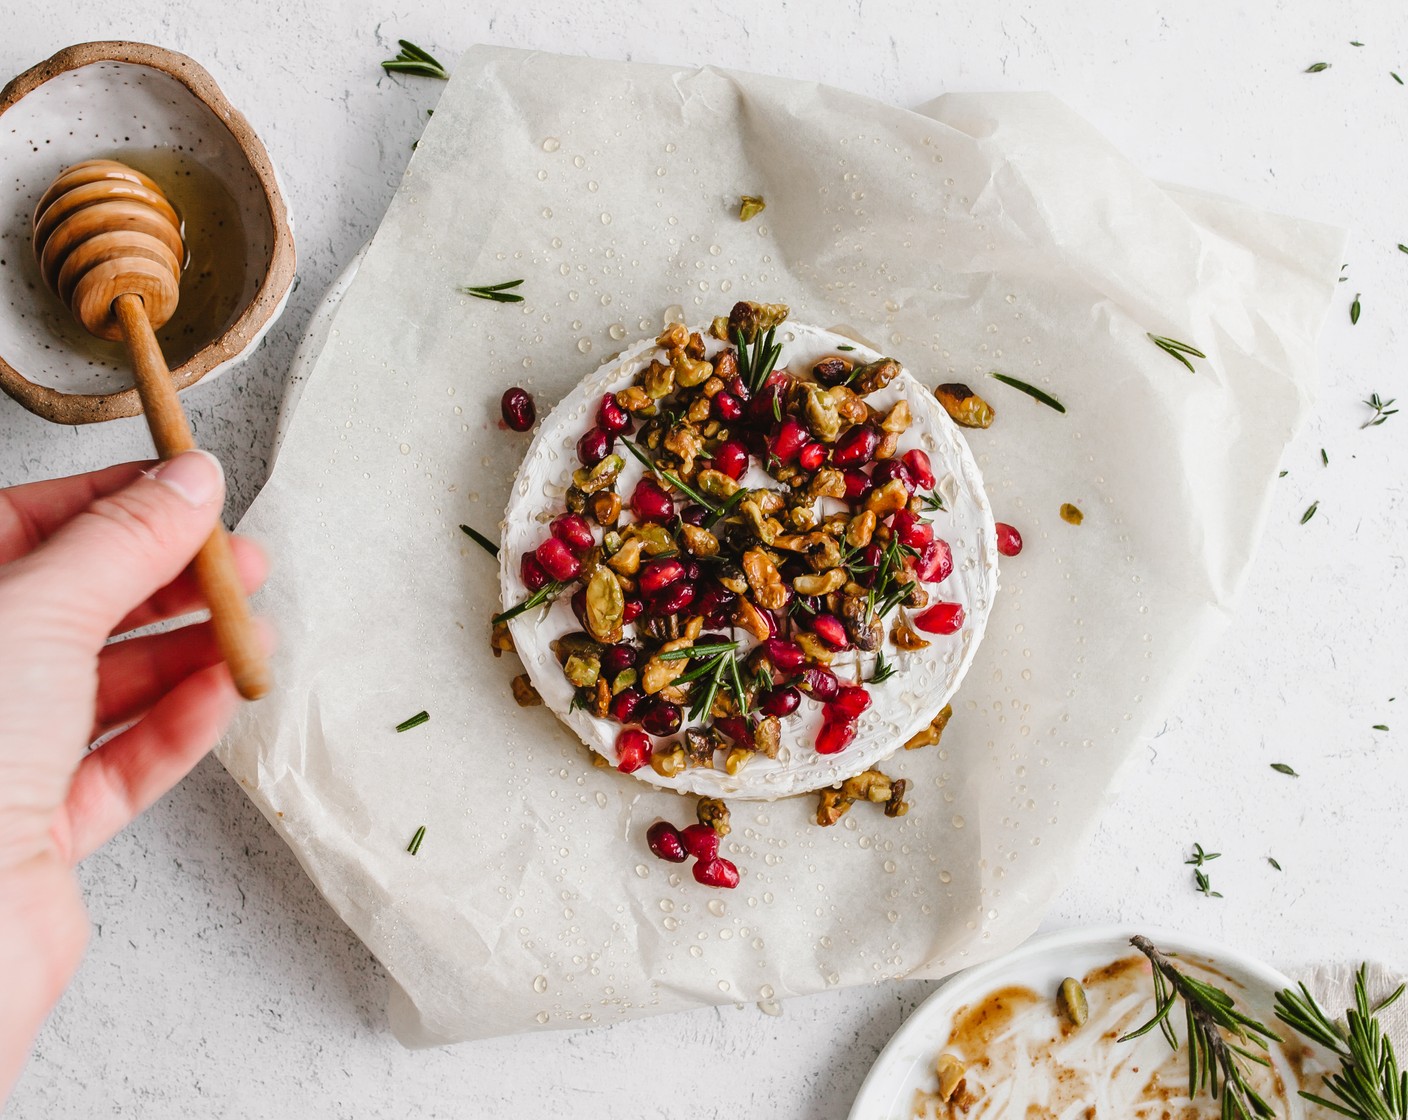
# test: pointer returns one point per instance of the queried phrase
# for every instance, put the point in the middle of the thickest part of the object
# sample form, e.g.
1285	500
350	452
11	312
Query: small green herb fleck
1309	511
1395	77
1201	857
1176	349
852	347
495	293
1272	860
412	60
1283	768
481	540
1354	309
1382	411
1402	248
1380	727
1324	458
414	846
1317	67
1355	43
415	721
1283	474
1031	391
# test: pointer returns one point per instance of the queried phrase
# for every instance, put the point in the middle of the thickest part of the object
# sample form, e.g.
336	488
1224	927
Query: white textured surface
219	983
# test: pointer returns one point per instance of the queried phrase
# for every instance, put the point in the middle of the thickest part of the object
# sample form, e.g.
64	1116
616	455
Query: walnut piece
500	639
769	592
930	735
524	692
713	813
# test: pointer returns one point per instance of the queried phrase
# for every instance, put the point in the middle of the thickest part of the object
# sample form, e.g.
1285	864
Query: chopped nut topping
713	813
897	806
964	405
814	648
606	605
888	498
872	786
767	736
823	584
827	483
601	698
752	319
769	592
874	376
500	639
864	628
634	399
897	419
750	618
736	759
524	692
1071	514
933	733
749	207
950	1072
668	760
861	528
658	380
831	807
905	636
605	508
700	745
888	446
697	541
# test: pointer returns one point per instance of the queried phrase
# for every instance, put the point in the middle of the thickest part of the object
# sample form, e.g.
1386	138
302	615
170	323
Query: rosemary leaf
1402	248
852	347
697	651
1309	511
1395	77
1380	727
1272	860
1031	391
495	293
481	540
416	62
1176	349
680	485
1317	67
414	846
545	594
1354	309
1324	458
415	721
1355	43
1283	768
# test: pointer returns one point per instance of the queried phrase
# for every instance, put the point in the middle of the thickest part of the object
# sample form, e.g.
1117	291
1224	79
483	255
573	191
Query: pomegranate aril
732	459
786	656
579	606
671	599
727	407
857	446
717	872
659	574
1009	541
811	457
594	446
660	717
893	468
611	417
735	728
700	841
788	439
739	388
664	840
831	630
941	618
558	560
851	701
918	463
835	735
573	531
632	750
819	683
911	530
532	573
626	704
649	502
692	571
633	609
695	515
618	658
767	405
857	484
935	562
780	701
716	604
518	409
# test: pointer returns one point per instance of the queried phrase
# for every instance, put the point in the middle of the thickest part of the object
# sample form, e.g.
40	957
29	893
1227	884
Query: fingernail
196	475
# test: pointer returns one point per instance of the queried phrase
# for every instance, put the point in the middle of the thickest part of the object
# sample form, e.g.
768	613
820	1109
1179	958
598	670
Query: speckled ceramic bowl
162	113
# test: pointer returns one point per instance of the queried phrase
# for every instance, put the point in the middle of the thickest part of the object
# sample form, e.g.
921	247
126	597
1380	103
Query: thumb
125	546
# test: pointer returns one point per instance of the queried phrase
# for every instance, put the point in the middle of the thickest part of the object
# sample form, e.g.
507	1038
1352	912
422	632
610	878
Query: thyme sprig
1369	1084
1382	411
757	359
1031	391
495	293
545	594
1220	1038
1200	877
1176	349
481	540
416	62
674	480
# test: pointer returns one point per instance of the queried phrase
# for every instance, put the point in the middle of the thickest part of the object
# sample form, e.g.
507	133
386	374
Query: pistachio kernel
1070	998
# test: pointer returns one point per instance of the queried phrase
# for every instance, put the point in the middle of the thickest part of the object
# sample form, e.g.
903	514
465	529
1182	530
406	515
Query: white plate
907	1062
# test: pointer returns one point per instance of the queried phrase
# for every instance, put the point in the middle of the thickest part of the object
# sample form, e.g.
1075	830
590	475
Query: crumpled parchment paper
979	233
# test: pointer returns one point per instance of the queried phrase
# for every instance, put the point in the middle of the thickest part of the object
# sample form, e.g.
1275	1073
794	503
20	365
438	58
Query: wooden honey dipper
110	246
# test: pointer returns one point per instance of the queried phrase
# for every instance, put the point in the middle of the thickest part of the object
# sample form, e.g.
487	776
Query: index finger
30	513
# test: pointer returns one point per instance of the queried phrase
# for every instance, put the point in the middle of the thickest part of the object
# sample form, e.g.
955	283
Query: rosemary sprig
1369	1084
933	503
545	594
757	359
1220	1038
495	293
727	508
1031	391
886	591
883	670
1176	349
721	671
701	650
414	846
678	483
415	721
481	540
1382	409
1200	877
415	61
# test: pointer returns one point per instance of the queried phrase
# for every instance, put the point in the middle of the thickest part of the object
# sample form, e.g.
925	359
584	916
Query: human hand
82	559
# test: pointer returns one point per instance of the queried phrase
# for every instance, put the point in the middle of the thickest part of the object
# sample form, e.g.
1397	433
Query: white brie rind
923	680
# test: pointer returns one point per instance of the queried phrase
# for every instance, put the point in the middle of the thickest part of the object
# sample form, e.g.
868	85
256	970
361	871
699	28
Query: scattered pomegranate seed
732	459
835	735
618	658
935	562
735	728
716	604
912	530
579	605
632	750
532	573
918	463
727	407
557	560
660	717
671	599
1009	541
611	417
633	609
664	840
626	703
811	457
650	503
716	872
941	618
870	563
659	574
700	841
594	446
573	531
857	484
857	446
819	682
739	388
830	630
893	468
781	701
766	407
787	657
695	514
518	409
694	573
851	701
788	439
